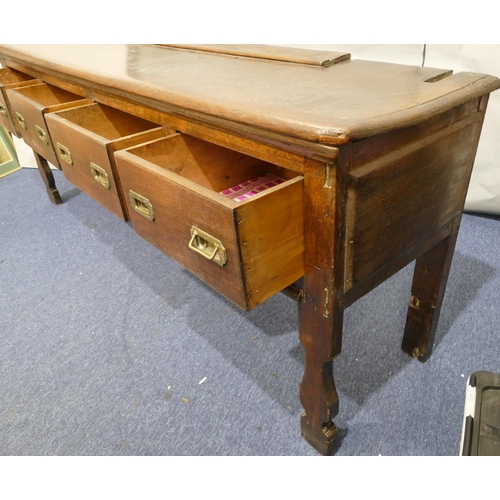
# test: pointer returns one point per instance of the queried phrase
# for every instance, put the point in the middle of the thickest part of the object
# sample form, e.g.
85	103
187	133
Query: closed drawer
247	250
10	78
29	106
85	139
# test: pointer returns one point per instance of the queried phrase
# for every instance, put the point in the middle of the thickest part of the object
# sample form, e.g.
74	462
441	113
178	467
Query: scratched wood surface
349	100
398	200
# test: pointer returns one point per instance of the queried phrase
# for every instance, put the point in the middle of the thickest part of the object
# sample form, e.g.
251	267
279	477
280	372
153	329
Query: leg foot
320	438
48	179
427	293
320	335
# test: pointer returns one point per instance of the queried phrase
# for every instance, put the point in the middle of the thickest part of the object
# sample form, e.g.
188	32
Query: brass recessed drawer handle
211	248
142	205
65	153
3	110
100	175
21	120
42	135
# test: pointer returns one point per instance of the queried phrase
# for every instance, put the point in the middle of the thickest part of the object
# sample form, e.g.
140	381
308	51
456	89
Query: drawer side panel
271	235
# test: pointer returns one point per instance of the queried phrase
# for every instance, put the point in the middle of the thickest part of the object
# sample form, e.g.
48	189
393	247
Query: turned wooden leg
48	179
427	293
320	329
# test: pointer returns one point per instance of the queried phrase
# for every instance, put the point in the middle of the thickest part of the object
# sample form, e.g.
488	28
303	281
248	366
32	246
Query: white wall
24	153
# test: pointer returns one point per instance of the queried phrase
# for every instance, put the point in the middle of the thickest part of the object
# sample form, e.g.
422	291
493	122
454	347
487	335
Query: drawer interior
47	95
208	165
10	77
106	122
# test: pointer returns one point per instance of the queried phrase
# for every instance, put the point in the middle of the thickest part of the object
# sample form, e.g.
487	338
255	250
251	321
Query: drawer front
11	79
248	250
85	162
176	210
28	111
86	157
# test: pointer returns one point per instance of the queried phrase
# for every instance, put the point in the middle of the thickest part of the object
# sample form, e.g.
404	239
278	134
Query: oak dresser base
374	160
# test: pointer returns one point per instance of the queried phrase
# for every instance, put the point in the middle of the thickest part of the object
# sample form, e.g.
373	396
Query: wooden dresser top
320	97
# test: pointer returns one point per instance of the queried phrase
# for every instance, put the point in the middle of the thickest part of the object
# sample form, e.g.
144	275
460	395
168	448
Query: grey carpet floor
108	347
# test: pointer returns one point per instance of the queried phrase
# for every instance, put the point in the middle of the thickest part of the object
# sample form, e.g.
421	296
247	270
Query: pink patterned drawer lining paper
253	186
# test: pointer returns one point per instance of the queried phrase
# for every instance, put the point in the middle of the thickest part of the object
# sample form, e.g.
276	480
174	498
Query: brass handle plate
21	120
100	175
3	110
142	205
42	135
205	244
64	153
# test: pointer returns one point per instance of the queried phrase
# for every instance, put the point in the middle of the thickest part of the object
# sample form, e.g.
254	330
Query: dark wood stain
376	160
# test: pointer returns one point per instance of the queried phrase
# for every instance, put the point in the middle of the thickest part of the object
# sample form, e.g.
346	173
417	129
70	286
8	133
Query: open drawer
248	250
30	104
85	138
10	78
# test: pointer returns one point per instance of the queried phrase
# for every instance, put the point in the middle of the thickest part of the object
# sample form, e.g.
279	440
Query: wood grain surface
376	159
349	100
272	53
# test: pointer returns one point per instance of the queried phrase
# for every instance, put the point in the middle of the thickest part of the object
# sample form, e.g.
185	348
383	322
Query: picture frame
8	158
